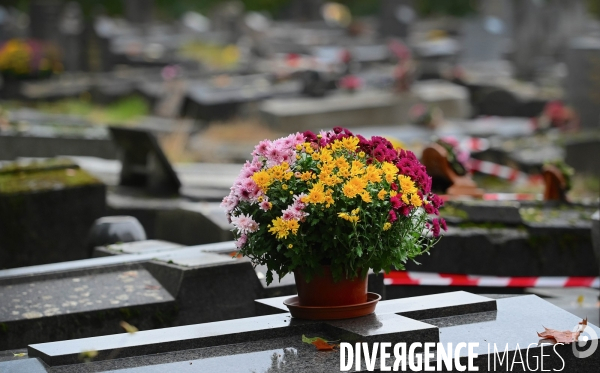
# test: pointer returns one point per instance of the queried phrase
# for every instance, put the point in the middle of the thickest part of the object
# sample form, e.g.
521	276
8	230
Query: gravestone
396	17
274	342
46	210
583	82
508	239
435	159
71	26
362	108
139	12
305	10
151	284
540	35
144	164
44	18
555	184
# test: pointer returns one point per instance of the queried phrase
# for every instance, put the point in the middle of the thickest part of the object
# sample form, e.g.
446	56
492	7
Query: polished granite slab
274	343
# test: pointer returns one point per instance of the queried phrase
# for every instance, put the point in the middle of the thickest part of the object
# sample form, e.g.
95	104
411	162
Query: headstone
227	17
435	159
305	10
44	18
363	108
555	184
144	165
150	284
46	210
139	12
582	83
71	26
583	154
395	18
539	35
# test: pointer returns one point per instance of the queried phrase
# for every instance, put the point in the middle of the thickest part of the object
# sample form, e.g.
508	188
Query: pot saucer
332	312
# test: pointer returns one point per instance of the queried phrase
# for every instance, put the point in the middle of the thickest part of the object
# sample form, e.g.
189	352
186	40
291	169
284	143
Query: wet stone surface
80	294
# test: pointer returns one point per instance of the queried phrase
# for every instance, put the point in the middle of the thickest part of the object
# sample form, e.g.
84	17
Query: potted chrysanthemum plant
330	206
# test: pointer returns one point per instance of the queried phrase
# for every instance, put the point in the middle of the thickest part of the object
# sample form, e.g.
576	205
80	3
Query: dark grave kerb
144	165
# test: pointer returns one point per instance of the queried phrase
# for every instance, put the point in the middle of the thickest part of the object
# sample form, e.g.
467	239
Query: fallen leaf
565	336
88	355
128	327
21	354
318	342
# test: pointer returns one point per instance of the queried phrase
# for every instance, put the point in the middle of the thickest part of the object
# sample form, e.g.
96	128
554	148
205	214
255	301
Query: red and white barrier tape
512	197
503	172
440	279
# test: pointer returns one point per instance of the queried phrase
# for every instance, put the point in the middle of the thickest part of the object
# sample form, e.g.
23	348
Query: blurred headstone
484	39
46	210
228	17
44	17
71	26
396	16
584	155
435	159
542	30
139	11
305	10
144	164
555	184
495	101
583	81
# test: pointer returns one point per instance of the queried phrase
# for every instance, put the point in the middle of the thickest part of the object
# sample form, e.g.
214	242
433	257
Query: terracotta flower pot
322	291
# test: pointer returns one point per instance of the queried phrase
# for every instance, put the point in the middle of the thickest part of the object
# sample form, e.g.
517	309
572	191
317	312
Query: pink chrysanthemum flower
244	223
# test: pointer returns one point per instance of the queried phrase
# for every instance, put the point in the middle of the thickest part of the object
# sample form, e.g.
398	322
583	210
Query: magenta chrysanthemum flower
392	217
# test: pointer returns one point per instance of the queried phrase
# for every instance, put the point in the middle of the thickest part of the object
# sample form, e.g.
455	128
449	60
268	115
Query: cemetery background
198	85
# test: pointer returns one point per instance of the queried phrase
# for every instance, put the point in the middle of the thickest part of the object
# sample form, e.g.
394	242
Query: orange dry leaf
566	336
319	343
322	345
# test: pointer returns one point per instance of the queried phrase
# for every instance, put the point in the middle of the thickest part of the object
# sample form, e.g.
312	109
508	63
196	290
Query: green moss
50	175
452	211
48	164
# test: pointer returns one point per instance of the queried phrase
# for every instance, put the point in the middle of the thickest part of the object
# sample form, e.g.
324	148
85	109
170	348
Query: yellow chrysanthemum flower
406	184
305	176
316	194
358	168
373	174
381	194
390	171
415	200
350	143
366	197
354	186
386	226
279	228
262	179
